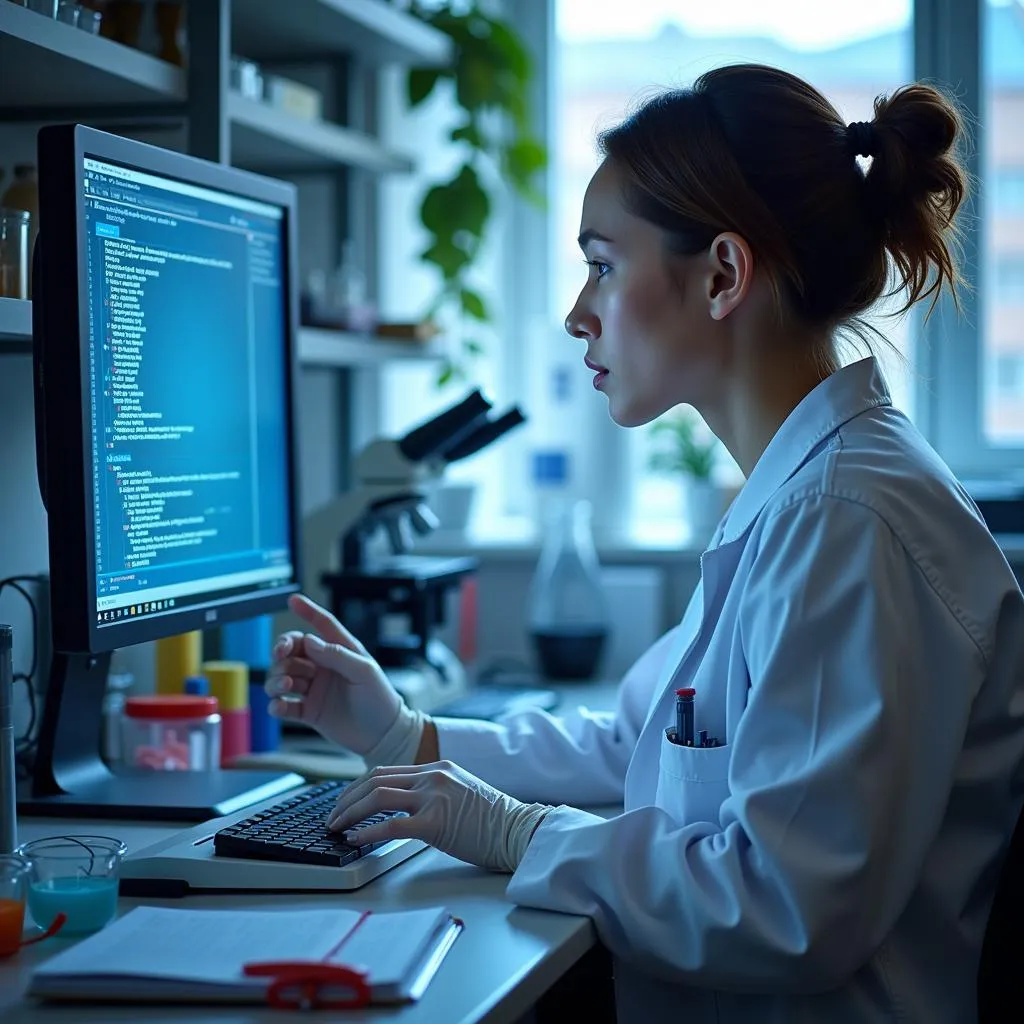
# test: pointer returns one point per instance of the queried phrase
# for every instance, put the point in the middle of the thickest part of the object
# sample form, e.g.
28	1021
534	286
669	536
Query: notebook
290	958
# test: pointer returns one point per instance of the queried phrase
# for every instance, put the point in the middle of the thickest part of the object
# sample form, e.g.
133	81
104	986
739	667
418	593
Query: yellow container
229	683
177	658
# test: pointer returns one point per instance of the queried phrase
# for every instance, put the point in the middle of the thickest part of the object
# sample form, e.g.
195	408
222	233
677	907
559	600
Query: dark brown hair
758	151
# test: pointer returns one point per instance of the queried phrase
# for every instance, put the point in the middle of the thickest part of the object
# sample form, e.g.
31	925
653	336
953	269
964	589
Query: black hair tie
862	138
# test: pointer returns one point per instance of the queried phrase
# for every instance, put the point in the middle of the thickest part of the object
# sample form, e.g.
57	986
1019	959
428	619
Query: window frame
948	354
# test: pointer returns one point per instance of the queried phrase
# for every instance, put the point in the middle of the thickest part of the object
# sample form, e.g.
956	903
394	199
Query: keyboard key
295	830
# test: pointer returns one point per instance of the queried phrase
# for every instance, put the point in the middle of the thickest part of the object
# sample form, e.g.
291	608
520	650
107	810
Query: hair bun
917	184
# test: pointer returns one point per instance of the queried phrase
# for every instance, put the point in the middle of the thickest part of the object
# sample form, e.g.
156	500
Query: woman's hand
326	679
444	806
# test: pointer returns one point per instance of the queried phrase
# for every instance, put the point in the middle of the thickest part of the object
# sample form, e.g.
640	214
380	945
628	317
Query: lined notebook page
388	944
211	945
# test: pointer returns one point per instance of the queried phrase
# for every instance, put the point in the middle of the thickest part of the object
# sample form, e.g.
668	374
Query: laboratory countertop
504	961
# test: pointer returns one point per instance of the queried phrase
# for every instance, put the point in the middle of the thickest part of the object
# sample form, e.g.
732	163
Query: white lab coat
857	643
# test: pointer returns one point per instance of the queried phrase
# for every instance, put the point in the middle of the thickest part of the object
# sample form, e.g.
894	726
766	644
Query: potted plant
684	446
491	72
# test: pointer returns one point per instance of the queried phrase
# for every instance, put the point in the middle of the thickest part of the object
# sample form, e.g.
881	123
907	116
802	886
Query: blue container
198	686
248	641
264	729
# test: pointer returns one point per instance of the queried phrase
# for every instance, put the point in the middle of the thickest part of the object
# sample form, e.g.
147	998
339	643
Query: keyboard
293	830
278	845
492	700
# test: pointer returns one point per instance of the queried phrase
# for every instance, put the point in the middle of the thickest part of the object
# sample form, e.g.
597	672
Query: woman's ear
730	274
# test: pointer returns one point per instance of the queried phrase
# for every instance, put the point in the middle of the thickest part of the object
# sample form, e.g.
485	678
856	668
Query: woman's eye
602	268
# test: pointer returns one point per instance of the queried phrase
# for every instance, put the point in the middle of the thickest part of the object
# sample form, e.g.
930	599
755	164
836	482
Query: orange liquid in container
12	923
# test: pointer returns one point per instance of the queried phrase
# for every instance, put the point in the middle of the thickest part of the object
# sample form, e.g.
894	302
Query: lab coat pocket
693	782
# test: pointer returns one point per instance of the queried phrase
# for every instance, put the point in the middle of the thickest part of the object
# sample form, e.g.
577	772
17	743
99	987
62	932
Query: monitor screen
187	381
164	316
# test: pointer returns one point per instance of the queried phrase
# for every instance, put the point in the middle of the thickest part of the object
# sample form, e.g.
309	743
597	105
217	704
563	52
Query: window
608	56
962	380
1008	284
1002	307
1008	191
1009	376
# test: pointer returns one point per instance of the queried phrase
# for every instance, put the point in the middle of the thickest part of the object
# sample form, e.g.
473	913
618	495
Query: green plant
491	72
684	447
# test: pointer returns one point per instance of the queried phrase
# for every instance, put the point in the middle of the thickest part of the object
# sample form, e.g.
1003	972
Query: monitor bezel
62	372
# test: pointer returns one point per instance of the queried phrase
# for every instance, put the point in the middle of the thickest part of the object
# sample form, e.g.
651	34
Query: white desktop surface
502	963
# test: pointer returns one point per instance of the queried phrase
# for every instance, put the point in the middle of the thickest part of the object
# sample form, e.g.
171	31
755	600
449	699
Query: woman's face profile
640	311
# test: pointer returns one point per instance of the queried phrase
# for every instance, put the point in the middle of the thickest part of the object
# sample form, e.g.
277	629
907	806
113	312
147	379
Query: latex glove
327	679
446	807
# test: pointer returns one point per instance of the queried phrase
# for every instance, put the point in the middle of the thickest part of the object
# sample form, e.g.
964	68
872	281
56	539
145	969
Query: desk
504	961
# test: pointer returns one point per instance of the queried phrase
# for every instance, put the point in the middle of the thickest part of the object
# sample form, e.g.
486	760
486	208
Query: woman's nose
579	324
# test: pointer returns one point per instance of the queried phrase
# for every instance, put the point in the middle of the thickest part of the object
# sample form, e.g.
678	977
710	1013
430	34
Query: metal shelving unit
49	70
324	348
45	63
379	32
266	139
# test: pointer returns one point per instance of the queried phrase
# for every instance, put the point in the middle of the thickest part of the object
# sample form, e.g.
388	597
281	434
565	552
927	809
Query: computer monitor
164	323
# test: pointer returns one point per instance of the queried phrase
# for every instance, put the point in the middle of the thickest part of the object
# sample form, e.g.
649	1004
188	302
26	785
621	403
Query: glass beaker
568	609
76	875
14	872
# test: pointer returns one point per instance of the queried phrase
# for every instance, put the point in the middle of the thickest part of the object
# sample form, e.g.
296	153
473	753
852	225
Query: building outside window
1002	307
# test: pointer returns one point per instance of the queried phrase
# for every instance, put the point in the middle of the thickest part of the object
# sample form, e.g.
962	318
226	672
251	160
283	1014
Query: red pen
684	716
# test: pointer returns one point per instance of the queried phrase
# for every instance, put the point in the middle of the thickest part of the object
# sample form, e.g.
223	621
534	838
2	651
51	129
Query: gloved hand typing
327	679
447	807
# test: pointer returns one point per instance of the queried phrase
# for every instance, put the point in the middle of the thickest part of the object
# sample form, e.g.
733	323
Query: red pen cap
687	691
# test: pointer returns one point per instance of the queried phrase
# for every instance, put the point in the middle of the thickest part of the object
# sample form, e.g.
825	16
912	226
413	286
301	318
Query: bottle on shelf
23	194
350	306
567	607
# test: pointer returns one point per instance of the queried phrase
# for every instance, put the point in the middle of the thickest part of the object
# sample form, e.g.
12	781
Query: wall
22	519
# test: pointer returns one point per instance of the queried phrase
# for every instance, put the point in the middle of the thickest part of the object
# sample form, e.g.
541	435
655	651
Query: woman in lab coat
856	642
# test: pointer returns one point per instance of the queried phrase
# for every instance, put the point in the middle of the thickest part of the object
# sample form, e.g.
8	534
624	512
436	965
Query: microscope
356	550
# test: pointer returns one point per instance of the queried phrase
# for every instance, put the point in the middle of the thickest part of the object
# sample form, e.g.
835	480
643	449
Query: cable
16	583
25	744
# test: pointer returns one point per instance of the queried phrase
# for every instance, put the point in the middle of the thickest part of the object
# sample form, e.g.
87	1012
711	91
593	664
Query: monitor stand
71	780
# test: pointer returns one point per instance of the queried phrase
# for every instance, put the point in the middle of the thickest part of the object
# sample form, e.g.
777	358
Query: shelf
58	65
374	30
264	138
15	325
320	347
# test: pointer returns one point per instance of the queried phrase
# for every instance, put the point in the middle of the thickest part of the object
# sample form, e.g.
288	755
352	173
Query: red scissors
308	985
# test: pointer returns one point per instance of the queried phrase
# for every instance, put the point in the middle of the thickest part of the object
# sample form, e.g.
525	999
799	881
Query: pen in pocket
684	716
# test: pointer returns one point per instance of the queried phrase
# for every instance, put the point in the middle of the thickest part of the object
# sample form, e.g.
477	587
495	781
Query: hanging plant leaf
469	132
447	257
492	70
471	203
476	81
523	159
473	304
446	374
510	51
420	84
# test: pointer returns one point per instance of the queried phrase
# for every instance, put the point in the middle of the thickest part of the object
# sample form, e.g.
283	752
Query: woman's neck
766	382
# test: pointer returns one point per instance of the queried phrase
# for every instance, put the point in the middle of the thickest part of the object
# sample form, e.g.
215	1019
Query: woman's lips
600	372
